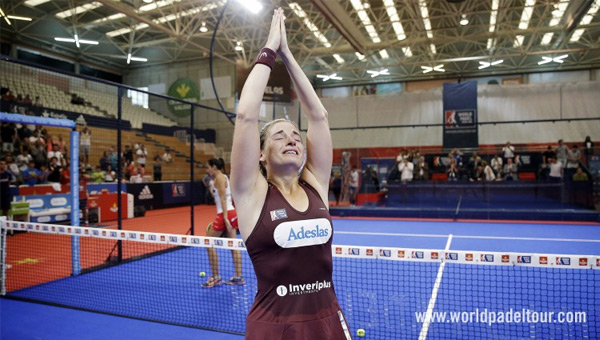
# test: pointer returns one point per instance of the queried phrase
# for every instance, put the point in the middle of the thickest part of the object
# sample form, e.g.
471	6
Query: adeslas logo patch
303	233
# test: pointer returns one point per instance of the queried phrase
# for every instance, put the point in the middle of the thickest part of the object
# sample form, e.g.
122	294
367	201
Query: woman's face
283	147
212	169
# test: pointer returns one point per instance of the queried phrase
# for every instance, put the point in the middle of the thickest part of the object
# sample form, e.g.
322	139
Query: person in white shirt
406	169
497	164
556	170
509	151
167	157
489	173
56	153
141	156
85	142
23	160
353	185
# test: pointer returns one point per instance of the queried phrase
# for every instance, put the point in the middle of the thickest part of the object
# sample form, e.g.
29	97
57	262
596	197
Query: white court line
471	236
434	293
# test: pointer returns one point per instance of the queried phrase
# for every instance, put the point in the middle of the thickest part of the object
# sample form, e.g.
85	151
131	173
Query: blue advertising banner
176	193
460	115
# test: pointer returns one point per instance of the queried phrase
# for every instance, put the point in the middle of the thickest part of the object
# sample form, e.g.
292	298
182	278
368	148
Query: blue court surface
382	297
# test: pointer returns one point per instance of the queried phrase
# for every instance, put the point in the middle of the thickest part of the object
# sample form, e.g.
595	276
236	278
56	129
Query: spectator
111	176
510	170
35	138
588	149
5	179
24	132
38	152
490	176
55	170
57	154
62	147
86	144
31	174
44	173
452	171
98	175
474	162
580	175
104	161
167	157
421	172
141	156
8	135
27	100
556	170
128	154
75	99
112	157
65	175
208	184
130	170
457	155
406	169
497	165
353	185
336	186
573	157
561	153
23	159
37	102
371	180
84	178
508	151
546	156
478	175
157	168
14	169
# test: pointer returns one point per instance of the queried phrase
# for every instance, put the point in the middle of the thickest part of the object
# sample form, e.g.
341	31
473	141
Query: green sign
185	89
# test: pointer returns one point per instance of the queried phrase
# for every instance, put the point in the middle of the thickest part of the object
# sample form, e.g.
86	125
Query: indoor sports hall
464	190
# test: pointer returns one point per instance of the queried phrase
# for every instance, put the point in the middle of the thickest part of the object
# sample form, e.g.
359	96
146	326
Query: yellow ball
202	274
360	332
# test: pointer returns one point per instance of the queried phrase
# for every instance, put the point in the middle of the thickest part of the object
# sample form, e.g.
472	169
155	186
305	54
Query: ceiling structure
360	41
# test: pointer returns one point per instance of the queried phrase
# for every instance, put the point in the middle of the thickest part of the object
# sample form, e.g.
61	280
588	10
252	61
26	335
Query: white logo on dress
282	291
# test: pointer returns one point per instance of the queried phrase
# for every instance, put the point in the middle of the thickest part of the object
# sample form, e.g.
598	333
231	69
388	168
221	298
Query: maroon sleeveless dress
291	254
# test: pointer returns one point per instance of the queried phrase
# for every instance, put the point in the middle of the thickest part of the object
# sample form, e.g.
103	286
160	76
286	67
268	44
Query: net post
3	256
192	168
119	200
75	261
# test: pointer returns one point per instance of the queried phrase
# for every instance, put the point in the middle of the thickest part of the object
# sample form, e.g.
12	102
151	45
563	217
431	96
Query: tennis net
390	293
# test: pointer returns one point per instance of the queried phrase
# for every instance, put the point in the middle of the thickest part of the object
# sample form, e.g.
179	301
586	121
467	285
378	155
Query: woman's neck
285	184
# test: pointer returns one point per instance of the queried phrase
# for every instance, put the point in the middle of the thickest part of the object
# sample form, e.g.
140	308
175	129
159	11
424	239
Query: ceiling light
407	51
378	73
464	21
34	3
519	40
14	17
558	12
433	49
526	15
438	68
425	15
485	64
547	38
325	78
338	58
587	19
359	56
203	28
384	54
4	16
493	16
138	59
312	27
81	41
390	8
366	21
78	10
366	5
559	59
252	5
148	1
238	46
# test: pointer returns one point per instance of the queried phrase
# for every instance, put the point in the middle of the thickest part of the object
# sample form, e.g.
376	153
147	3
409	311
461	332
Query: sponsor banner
176	193
109	187
460	115
303	233
150	195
